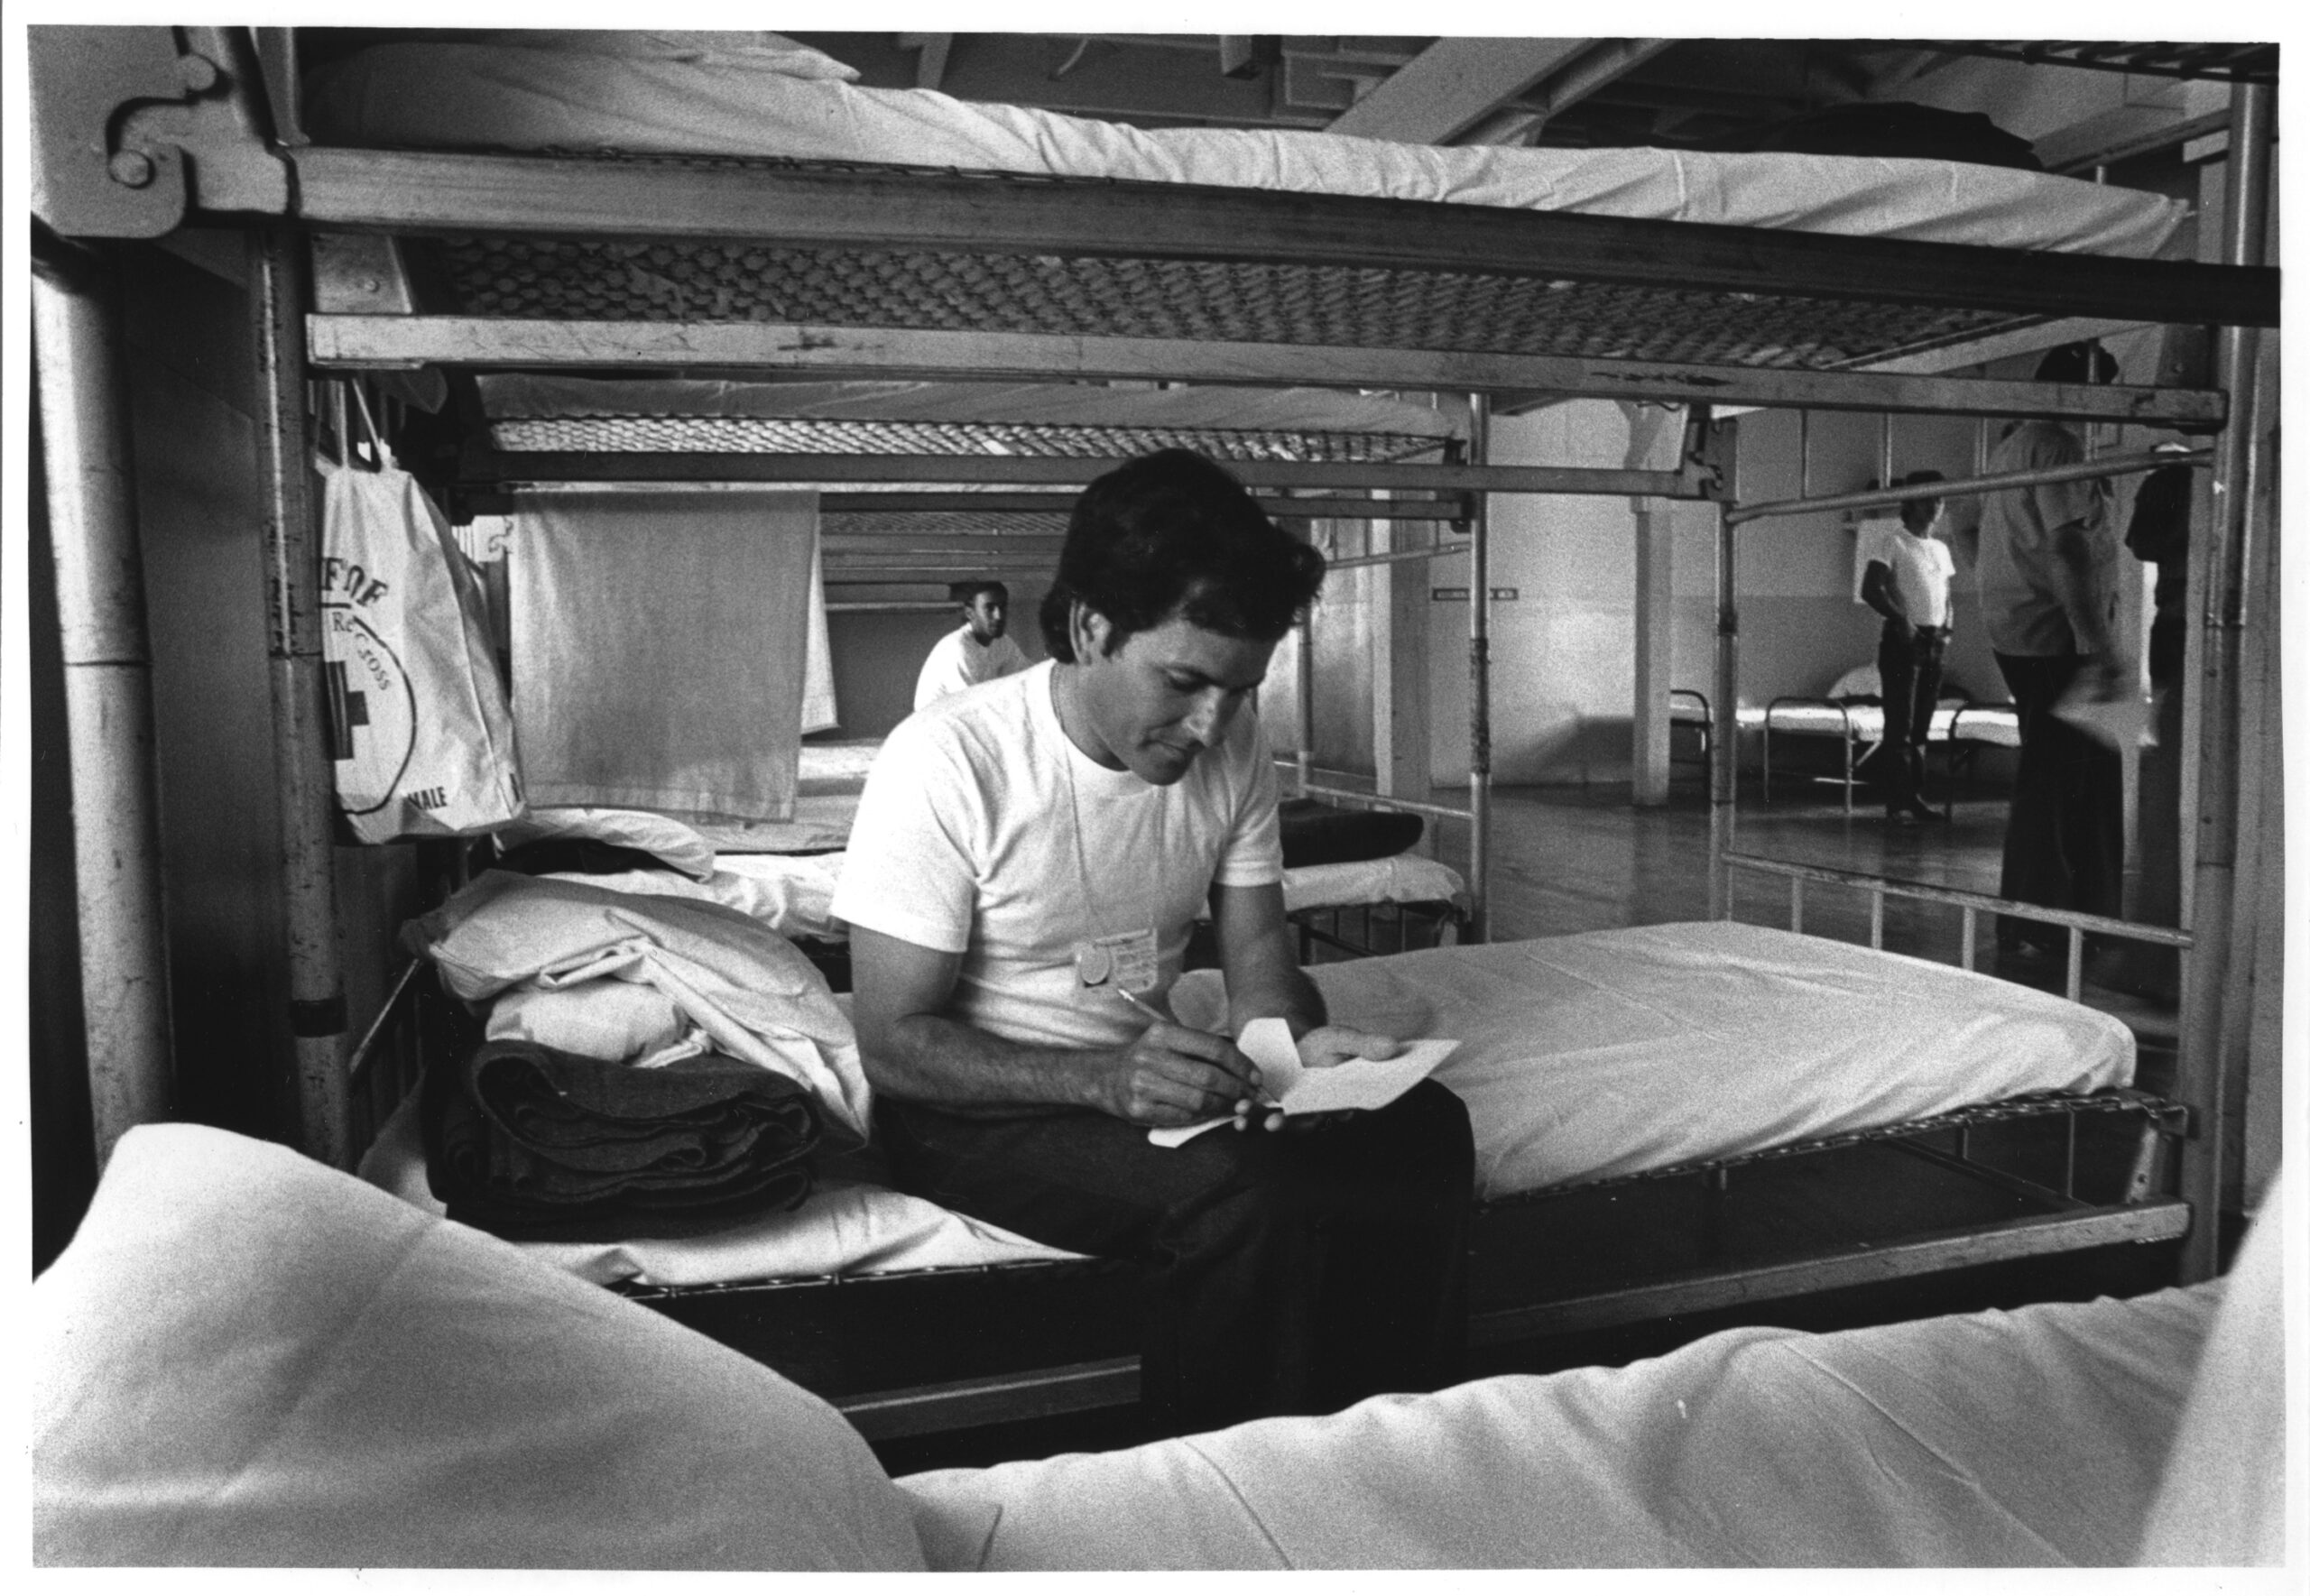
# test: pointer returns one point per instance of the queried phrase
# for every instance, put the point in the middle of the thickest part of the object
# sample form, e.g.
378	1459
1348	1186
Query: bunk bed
1851	713
808	260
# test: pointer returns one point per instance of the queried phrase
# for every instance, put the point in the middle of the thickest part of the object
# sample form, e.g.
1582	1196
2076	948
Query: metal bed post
107	690
1480	678
1304	692
1724	734
2220	562
304	767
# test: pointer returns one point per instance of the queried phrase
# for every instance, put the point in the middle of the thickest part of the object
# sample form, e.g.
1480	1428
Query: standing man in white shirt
974	652
1026	866
1904	578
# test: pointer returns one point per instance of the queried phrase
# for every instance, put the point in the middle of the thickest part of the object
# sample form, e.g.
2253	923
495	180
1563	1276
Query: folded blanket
742	983
533	1143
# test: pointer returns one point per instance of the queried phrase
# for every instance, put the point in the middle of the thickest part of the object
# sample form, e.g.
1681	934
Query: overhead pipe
304	767
1886	498
107	689
2211	1034
1479	923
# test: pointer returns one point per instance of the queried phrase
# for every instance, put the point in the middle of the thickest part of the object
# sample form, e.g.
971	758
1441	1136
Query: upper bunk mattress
636	93
1608	1052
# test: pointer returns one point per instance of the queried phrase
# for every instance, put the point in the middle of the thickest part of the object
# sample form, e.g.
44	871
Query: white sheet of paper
1356	1083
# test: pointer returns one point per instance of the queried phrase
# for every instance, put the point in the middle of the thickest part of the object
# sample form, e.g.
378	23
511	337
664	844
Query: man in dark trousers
1904	578
1028	860
2046	568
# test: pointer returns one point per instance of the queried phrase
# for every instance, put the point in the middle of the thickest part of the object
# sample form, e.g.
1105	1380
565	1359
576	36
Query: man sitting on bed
1027	862
974	652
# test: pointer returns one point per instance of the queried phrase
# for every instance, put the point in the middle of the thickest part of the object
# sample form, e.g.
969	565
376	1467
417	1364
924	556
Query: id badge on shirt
1126	959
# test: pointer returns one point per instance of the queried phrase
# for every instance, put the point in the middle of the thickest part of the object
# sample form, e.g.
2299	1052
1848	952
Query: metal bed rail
1972	905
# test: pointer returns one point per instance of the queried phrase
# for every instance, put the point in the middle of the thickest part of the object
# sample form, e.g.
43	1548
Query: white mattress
820	822
1613	1052
495	95
2030	1438
1402	878
1985	723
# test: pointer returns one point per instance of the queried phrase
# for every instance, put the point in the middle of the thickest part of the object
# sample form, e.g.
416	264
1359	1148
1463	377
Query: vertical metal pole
2218	562
1304	694
1724	740
1480	678
303	769
108	691
1885	449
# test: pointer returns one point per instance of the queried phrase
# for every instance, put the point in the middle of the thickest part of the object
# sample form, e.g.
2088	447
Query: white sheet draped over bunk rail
529	395
513	97
660	649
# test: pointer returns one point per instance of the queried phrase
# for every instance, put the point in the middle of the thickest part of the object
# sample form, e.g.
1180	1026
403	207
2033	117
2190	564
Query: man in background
1904	578
974	652
2046	568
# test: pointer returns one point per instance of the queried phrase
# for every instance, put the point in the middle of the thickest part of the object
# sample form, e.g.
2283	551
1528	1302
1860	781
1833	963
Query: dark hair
2079	363
1174	534
962	593
1918	479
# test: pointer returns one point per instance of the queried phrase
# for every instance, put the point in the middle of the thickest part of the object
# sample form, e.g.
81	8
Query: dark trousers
1285	1272
2065	837
1908	675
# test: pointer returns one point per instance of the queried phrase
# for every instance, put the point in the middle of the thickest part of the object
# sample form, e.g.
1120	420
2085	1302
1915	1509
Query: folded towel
533	1143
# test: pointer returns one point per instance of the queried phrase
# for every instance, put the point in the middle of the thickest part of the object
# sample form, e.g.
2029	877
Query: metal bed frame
325	228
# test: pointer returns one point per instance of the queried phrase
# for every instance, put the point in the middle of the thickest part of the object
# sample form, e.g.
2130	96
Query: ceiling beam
1452	85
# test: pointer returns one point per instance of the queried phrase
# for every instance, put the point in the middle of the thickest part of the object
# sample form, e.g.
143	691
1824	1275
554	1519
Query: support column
304	767
2213	1039
1655	546
1724	723
1480	678
1402	761
107	690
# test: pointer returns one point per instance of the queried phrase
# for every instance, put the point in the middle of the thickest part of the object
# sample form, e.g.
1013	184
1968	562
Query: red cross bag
417	714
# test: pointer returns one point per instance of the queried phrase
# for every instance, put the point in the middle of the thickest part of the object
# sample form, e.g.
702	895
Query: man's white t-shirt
1921	567
967	840
959	661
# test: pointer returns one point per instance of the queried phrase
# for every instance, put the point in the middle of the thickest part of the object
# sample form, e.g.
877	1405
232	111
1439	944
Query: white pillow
766	51
605	1018
659	835
1860	682
246	1359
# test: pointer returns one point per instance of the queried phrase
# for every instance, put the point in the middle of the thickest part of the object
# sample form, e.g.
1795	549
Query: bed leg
2148	1164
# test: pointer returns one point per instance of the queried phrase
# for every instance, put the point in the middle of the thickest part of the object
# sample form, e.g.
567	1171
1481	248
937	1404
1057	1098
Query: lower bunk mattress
1582	1059
246	1358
